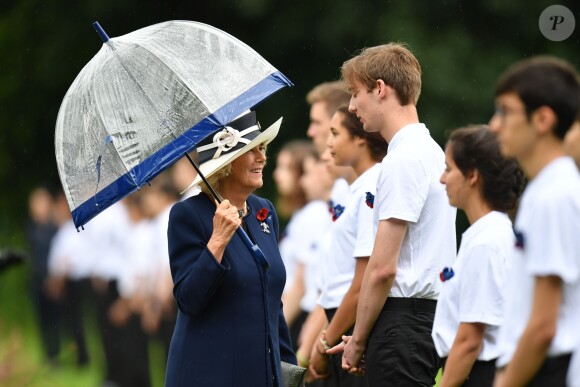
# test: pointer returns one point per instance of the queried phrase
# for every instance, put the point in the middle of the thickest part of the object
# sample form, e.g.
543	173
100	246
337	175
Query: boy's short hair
332	94
394	63
544	81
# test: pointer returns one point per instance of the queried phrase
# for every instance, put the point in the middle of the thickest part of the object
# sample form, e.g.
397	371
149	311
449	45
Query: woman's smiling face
247	169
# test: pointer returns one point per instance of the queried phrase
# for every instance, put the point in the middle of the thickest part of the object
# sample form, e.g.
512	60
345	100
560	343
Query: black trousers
553	372
481	375
400	351
49	316
74	316
296	327
125	348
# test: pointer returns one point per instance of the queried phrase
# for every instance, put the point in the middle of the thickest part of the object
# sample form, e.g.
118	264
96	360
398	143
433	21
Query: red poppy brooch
262	215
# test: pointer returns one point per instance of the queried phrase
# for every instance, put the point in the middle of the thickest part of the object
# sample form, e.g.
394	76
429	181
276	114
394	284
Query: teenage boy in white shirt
572	141
415	225
536	103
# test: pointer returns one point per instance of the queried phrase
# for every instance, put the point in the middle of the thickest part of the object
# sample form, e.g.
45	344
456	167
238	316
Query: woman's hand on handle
225	223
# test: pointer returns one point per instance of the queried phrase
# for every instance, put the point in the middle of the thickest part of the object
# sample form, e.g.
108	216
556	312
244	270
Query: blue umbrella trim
166	156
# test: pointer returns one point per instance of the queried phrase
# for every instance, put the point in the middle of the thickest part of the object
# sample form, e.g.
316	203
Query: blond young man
414	224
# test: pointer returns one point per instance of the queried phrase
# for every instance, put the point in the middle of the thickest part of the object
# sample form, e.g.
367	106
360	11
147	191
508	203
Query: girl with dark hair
351	241
485	185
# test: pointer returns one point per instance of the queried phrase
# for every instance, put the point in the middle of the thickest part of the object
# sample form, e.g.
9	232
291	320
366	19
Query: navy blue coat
230	327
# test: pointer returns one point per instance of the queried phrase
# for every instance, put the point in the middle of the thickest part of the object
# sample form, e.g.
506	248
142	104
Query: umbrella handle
254	248
216	196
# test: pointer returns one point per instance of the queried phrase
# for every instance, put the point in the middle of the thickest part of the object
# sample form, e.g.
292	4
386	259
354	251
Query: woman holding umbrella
230	327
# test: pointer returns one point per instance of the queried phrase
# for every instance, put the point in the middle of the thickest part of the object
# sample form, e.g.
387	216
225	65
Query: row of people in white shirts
121	244
493	236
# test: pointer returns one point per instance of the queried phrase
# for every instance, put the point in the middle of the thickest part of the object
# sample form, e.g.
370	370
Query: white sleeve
482	283
126	284
365	234
313	225
57	258
552	243
403	187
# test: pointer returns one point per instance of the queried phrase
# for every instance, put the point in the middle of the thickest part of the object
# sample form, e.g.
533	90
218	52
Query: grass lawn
21	359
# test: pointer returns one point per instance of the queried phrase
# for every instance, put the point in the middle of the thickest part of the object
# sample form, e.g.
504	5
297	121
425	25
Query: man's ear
544	120
382	89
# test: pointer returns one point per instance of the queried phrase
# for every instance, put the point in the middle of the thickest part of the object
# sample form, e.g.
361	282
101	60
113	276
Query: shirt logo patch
370	199
335	210
520	239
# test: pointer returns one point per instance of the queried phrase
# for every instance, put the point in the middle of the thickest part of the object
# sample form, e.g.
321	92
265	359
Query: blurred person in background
70	270
160	310
486	186
324	99
40	230
317	182
351	242
107	234
320	181
307	224
126	311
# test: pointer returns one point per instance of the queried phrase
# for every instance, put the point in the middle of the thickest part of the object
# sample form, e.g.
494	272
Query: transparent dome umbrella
144	101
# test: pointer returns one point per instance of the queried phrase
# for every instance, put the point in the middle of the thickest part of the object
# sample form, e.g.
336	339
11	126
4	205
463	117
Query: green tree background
462	46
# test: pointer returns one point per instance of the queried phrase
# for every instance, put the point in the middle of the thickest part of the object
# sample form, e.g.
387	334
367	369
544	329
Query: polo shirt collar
407	131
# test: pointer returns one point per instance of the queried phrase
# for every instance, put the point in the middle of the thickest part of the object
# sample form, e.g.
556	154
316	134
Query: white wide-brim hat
235	139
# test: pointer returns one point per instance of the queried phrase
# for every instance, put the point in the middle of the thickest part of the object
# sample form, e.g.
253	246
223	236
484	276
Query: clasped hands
353	360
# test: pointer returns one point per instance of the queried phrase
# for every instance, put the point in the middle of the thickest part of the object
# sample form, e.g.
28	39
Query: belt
414	304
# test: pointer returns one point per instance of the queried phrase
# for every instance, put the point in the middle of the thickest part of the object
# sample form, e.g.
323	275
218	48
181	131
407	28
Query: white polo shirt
340	191
107	233
303	234
352	236
319	222
338	195
548	222
475	294
138	255
409	189
69	255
